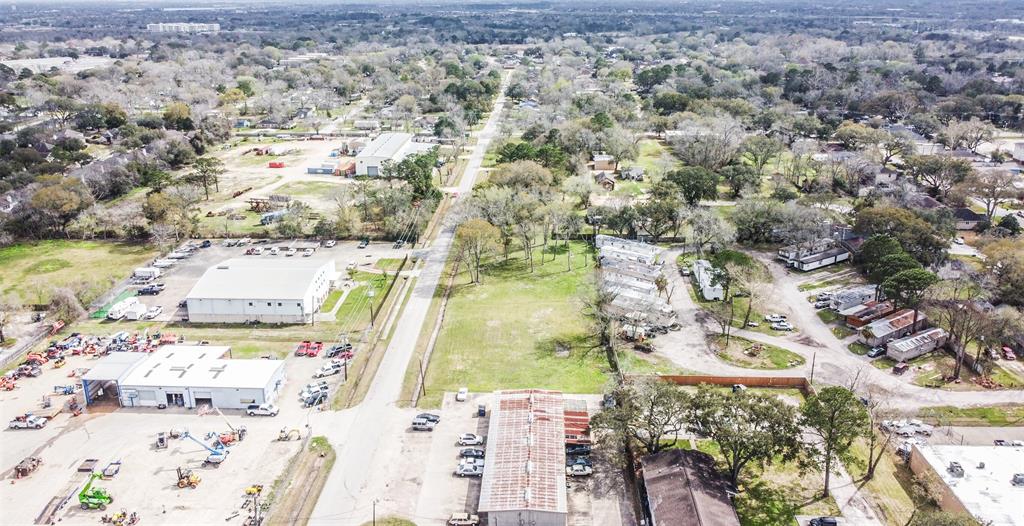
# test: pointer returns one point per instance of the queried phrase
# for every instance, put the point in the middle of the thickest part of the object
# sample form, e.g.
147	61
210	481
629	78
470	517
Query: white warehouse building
184	376
386	147
244	290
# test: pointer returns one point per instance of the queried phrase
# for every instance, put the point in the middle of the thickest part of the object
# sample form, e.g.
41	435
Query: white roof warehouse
185	375
268	291
387	147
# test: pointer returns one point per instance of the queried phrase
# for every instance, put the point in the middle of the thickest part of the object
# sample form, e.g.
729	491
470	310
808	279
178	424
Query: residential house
821	253
633	173
366	124
684	487
892	327
861	315
967	219
706	275
628	250
603	162
851	297
604	181
916	344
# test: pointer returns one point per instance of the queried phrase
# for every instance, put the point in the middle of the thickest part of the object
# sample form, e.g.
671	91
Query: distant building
684	487
603	162
627	250
385	148
302	58
524	466
893	326
915	345
975	480
967	219
629	272
851	297
182	27
244	290
705	275
821	253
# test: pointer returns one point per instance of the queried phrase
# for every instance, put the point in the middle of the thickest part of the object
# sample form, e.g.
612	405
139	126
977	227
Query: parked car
472	452
314	349
308	252
206	244
462	395
471	461
399	244
273	251
363	243
1008	354
429	417
753	324
302	348
256	251
153	312
1018	479
152	290
420	424
330	369
315	399
577	449
313	389
958	240
876	352
1000	442
27	421
579	470
824	521
774	318
782	326
821	304
581	461
469	471
463	519
470	439
330	243
290	252
823	296
262	410
338	349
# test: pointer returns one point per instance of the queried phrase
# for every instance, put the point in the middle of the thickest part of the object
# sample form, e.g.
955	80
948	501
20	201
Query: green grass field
388	263
354	313
316	189
29	271
331	300
999	415
886	490
503	333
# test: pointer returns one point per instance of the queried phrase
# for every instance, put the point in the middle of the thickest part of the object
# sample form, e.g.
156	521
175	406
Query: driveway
828	359
370	446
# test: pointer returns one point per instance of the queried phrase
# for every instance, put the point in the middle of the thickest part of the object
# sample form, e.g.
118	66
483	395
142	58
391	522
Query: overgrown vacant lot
29	271
502	334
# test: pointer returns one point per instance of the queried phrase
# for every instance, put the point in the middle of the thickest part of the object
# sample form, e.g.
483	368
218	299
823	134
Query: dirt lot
146	482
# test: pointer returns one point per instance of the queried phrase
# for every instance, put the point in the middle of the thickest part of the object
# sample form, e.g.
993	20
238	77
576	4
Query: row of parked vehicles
273	251
577	460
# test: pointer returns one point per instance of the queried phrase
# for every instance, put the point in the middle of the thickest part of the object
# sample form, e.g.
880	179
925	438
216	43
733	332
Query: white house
387	147
704	273
259	290
184	376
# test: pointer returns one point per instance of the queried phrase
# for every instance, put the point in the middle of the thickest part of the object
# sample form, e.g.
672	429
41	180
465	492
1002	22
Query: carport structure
106	373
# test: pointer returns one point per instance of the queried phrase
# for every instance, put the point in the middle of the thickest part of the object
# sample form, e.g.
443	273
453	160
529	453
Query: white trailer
120	308
147	272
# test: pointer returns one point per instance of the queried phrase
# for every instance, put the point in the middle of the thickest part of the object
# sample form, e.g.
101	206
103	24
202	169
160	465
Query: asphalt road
367	437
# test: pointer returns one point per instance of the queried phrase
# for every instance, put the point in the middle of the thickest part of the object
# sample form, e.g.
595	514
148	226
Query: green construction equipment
91	498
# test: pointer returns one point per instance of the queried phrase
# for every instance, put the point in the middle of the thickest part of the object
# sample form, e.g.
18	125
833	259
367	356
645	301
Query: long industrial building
387	147
184	376
524	467
244	290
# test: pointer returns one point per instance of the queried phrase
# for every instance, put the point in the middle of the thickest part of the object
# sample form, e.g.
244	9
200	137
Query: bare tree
955	304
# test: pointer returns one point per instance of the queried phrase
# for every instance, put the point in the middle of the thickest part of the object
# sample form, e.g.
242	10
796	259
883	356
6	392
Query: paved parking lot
180	278
146	482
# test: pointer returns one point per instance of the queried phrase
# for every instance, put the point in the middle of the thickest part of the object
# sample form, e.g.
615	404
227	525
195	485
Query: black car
338	349
875	352
578	461
206	244
399	244
577	450
825	521
364	243
430	417
472	452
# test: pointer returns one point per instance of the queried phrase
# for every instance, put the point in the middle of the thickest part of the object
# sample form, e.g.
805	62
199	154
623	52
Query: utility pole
814	358
374	512
369	295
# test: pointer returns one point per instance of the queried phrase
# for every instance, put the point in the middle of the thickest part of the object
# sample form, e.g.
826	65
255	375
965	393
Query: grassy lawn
829	315
775	494
887	492
317	189
218	226
858	348
934	367
504	332
390	521
842	331
29	271
331	300
745	353
388	263
1000	415
354	313
654	157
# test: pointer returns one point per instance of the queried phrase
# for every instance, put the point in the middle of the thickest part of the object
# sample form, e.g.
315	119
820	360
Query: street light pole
369	294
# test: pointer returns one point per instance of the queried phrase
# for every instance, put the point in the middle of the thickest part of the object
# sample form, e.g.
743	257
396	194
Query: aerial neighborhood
588	263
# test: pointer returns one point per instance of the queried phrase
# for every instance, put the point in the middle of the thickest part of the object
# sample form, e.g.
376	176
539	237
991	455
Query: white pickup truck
27	422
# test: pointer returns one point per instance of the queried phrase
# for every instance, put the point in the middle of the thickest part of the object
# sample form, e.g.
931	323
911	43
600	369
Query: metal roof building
983	487
682	486
265	290
387	147
185	375
524	467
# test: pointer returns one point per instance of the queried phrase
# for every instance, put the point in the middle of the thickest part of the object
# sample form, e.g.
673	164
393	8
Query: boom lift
236	435
217	453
